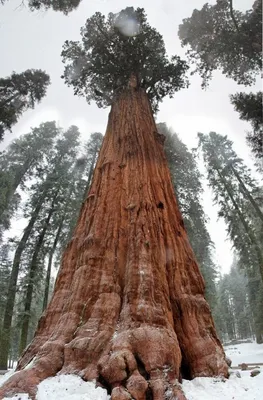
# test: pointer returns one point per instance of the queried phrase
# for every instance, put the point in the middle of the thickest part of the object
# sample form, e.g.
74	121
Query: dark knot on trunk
133	81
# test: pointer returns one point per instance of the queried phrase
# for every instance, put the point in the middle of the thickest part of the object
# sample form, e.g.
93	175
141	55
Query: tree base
142	363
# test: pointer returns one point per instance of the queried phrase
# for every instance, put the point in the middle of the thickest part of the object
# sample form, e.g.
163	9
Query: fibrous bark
128	307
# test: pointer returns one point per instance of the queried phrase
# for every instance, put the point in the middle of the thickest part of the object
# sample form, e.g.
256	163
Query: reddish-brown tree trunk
128	307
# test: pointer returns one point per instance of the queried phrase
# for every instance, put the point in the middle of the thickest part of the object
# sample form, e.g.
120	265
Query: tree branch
232	15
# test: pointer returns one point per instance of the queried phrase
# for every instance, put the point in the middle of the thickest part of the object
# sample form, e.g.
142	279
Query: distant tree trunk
233	15
11	294
90	173
50	260
243	221
31	278
254	290
128	307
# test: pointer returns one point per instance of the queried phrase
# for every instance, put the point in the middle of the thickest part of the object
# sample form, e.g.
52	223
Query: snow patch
4	378
72	387
69	387
236	388
245	353
30	365
19	396
66	387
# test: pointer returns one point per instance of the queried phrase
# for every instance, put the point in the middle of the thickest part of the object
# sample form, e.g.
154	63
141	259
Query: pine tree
50	179
236	194
22	161
234	191
18	93
128	303
75	195
249	106
223	38
219	37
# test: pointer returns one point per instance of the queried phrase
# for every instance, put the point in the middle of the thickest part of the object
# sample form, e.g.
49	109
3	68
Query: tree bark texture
128	307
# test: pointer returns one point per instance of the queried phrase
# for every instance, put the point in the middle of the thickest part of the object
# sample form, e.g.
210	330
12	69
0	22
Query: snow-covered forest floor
234	388
69	387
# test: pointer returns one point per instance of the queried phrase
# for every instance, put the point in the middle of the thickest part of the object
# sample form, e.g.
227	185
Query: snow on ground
234	388
244	388
71	387
64	387
245	353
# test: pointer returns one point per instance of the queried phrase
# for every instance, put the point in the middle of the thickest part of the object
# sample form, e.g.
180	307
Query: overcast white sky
34	40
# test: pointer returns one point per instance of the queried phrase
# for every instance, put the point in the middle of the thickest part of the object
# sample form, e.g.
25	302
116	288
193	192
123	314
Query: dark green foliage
81	180
236	194
111	50
65	6
18	93
61	178
67	183
188	189
22	160
47	180
249	107
7	207
222	38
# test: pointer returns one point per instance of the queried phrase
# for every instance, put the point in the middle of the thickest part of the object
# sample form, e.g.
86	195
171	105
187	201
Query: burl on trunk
128	308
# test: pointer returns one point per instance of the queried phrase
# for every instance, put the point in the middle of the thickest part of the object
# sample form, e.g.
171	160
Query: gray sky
34	40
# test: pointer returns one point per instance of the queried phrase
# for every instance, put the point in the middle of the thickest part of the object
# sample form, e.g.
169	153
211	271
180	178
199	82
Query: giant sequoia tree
128	307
